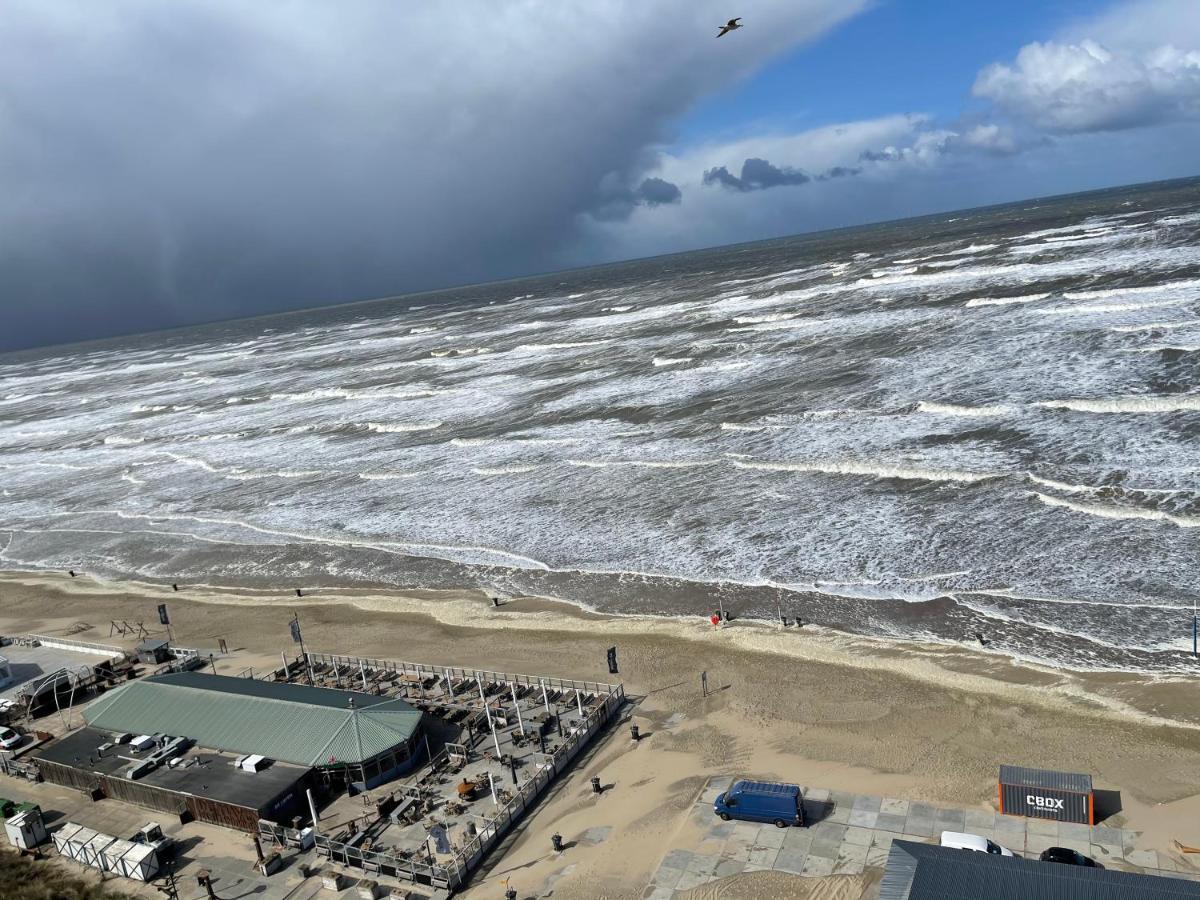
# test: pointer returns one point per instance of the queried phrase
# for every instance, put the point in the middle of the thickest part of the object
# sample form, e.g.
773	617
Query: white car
10	739
961	841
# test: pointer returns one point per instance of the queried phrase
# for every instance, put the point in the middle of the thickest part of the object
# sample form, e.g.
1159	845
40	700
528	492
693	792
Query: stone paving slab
852	832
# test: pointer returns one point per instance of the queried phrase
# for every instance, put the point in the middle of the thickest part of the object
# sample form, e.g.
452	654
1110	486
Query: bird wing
733	23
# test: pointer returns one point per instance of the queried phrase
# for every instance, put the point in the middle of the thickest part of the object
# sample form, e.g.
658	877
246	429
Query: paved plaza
851	832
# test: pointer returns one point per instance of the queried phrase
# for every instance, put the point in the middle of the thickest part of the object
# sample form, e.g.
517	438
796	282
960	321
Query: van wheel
779	823
724	816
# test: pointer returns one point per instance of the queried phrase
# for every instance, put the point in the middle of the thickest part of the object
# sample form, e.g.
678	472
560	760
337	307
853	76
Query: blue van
762	801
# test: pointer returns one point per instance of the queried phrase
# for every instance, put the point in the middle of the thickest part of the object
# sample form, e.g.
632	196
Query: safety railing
61	643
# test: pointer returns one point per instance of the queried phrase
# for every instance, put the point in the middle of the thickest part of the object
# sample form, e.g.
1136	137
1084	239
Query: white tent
93	850
130	860
74	844
62	837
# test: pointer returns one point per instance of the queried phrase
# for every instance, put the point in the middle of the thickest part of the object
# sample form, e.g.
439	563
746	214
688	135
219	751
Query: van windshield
994	848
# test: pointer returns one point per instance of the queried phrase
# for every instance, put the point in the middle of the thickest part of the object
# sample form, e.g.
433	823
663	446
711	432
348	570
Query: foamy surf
970	412
401	427
1148	404
870	470
1110	511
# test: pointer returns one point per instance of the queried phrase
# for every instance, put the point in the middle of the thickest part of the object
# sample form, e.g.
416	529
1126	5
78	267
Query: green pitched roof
294	723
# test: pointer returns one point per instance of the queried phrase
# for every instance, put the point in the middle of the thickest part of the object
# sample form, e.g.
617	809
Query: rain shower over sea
980	422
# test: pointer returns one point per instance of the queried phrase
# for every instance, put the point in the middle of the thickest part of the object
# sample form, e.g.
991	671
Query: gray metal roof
1045	778
294	723
926	872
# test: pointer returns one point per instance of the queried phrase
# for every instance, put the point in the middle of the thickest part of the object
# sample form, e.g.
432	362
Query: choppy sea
985	422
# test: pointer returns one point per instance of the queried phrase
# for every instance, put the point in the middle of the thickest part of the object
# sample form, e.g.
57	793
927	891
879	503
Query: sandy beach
815	707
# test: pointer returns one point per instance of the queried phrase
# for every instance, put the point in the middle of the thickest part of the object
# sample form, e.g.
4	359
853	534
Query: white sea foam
460	351
739	426
1088	308
1005	301
770	317
642	463
122	441
1186	285
562	345
1060	485
953	409
504	470
869	469
1153	403
387	476
1154	326
1110	511
671	361
355	394
401	427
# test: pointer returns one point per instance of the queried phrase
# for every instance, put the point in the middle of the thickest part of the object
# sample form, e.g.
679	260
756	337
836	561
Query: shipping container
1043	794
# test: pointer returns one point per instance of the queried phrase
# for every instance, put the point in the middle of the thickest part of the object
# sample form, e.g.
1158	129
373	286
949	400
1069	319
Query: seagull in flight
731	25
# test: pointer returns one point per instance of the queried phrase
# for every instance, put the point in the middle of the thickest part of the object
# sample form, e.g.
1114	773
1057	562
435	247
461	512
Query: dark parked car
1068	857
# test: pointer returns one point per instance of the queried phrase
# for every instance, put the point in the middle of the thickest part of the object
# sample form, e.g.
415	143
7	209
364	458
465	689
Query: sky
164	163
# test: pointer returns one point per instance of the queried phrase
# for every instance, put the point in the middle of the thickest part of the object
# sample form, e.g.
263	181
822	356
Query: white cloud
1083	87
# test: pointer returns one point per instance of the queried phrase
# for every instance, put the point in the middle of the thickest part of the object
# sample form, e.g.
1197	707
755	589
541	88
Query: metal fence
354	664
452	874
61	643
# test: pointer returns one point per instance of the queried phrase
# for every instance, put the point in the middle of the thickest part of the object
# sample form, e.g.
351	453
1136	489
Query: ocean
978	423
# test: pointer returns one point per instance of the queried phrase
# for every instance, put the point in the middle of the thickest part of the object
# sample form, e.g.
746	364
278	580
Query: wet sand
905	720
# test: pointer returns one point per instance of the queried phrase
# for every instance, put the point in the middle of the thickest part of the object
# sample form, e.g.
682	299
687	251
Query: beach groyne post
704	684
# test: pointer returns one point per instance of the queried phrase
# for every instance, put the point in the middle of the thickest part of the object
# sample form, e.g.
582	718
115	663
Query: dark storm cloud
758	175
168	163
657	192
616	202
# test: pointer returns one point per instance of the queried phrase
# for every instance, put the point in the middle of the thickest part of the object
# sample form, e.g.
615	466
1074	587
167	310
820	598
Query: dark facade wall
201	809
1044	803
67	777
